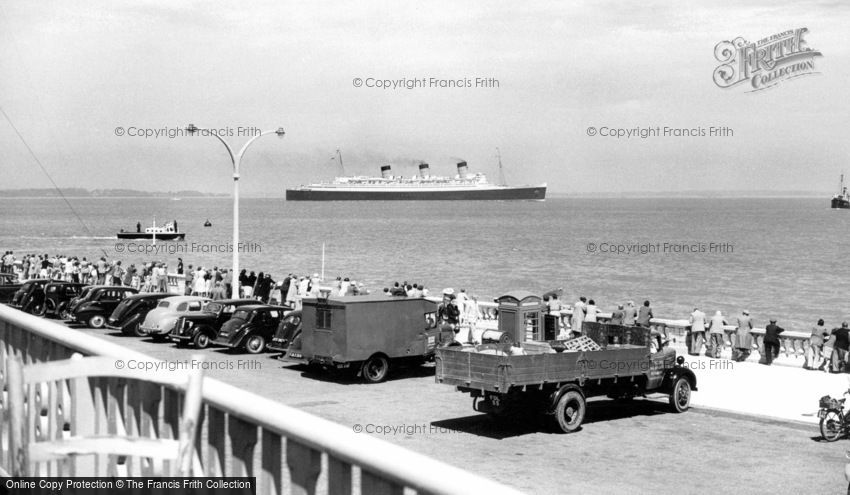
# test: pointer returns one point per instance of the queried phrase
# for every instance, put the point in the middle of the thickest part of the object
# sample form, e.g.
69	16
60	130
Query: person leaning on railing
814	352
841	348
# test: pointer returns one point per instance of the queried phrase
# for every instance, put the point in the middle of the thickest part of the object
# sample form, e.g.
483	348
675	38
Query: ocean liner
842	199
424	186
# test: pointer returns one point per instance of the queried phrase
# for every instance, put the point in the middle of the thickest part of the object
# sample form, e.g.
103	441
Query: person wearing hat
840	348
743	339
771	342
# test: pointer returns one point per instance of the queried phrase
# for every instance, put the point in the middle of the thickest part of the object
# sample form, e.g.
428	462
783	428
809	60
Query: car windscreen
213	307
163	304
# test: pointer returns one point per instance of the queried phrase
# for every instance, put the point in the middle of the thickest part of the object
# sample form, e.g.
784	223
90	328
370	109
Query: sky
73	72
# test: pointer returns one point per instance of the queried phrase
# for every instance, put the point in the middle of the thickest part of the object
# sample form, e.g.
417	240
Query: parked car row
367	334
243	324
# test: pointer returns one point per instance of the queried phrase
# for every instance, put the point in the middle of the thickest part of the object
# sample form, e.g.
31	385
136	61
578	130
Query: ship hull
163	236
491	194
840	203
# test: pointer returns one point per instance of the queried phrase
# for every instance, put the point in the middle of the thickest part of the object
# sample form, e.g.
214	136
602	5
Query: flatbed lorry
557	377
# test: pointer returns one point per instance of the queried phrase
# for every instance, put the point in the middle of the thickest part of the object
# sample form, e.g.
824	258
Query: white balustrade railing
242	434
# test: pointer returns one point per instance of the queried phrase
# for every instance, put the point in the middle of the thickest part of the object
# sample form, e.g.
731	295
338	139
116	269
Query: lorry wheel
375	369
569	413
680	397
97	321
255	344
201	340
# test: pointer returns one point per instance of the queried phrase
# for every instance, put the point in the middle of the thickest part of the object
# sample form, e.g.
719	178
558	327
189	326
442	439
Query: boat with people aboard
842	199
167	232
423	186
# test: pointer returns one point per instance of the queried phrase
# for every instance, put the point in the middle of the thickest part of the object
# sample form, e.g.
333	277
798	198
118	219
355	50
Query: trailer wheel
680	397
570	410
375	369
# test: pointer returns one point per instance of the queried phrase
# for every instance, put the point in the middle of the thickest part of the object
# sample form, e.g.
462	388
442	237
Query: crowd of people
828	349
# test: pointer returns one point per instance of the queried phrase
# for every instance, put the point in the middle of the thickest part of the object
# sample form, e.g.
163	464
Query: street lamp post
236	160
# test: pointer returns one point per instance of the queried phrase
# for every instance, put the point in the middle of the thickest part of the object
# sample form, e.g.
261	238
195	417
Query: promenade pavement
783	392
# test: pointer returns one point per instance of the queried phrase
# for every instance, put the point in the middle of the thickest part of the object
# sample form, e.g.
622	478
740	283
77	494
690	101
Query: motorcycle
834	424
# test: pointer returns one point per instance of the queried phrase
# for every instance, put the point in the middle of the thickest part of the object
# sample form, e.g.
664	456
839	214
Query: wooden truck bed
498	373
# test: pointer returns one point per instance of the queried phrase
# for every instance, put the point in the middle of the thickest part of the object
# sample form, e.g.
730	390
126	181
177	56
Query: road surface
633	447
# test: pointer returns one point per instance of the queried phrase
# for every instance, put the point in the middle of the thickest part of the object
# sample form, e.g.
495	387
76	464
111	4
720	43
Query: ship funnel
424	170
386	172
461	169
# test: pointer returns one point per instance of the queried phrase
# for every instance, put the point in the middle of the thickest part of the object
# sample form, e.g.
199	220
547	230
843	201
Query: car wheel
201	340
680	397
830	425
137	331
97	321
570	411
255	344
375	369
64	314
39	309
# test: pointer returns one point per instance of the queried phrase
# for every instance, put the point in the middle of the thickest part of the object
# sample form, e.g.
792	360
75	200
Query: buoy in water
207	223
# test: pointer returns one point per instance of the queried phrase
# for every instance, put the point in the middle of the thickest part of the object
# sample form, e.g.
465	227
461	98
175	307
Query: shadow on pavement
349	376
531	422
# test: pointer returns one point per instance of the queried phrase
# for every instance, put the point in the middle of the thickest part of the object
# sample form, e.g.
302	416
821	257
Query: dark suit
771	343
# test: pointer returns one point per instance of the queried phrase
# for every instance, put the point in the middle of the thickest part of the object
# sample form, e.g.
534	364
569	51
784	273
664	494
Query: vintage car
84	294
367	333
202	328
129	315
9	285
57	297
30	295
161	320
98	304
557	377
251	327
287	331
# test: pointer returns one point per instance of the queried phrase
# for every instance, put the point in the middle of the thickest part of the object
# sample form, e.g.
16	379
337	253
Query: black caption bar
129	486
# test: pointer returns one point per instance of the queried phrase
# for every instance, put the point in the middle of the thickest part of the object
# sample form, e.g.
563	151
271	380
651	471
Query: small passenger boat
167	232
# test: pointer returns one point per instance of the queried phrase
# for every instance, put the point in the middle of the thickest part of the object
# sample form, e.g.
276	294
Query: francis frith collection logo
765	63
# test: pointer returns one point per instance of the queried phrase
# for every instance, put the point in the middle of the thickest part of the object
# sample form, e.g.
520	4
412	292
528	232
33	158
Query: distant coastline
133	193
103	193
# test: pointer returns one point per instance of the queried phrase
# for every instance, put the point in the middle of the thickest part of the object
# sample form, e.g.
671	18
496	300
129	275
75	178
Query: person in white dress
591	311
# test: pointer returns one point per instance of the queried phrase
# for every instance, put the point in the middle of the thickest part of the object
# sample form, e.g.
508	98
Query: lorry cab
368	333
